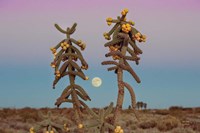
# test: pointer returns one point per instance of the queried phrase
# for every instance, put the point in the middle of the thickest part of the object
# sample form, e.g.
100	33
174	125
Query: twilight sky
169	66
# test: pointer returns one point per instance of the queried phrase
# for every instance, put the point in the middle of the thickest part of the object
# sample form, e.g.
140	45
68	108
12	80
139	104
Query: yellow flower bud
79	41
55	54
31	130
123	26
126	10
129	28
109	19
53	50
51	131
80	126
127	25
83	46
121	131
86	78
62	44
118	127
123	13
64	48
115	57
109	23
131	22
53	65
144	36
67	45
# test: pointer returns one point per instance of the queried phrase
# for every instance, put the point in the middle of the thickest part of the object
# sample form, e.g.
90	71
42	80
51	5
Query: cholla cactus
64	64
99	122
47	124
123	42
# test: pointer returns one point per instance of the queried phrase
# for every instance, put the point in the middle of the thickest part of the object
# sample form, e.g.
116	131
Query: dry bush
172	108
129	122
167	123
2	130
182	130
195	126
7	112
148	124
28	114
162	112
197	110
178	114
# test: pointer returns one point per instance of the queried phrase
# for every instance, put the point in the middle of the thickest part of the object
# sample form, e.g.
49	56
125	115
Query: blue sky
169	67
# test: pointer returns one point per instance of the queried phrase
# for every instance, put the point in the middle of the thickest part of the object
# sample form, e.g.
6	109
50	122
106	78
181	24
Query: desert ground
172	120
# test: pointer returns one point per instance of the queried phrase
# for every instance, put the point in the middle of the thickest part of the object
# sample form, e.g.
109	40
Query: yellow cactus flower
109	23
124	12
126	27
83	46
53	50
86	78
123	26
131	22
84	67
55	53
112	48
109	19
53	65
66	128
51	131
118	129
62	44
80	126
129	28
138	34
57	73
144	36
64	47
31	130
67	45
79	41
106	36
115	57
121	131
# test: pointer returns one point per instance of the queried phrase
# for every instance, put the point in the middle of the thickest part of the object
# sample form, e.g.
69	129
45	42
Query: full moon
96	82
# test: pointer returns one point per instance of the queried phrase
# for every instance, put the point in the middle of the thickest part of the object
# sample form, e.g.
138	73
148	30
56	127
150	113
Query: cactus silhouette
123	42
65	64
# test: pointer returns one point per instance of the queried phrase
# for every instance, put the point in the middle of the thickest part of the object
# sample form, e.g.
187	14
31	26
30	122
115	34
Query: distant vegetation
179	120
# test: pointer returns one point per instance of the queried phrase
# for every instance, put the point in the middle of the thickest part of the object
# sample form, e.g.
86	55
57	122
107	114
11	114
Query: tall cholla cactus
123	42
64	64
